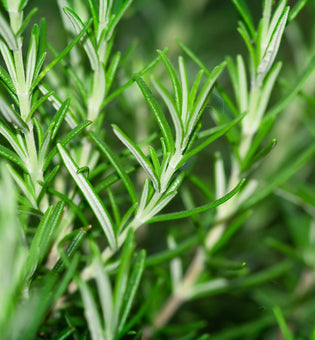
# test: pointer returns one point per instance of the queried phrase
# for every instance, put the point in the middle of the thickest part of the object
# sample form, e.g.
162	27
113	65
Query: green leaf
144	197
91	312
47	180
167	197
291	94
116	18
112	69
105	48
12	140
59	117
273	112
172	110
297	9
193	56
11	156
5	5
242	84
42	37
135	150
164	165
177	181
11	115
9	62
222	130
65	334
114	205
104	291
158	113
31	56
227	100
248	42
185	90
272	49
122	277
93	13
74	76
127	216
272	25
282	324
43	238
26	21
22	4
66	140
113	178
75	208
6	80
7	34
262	31
98	92
200	102
27	192
155	159
104	14
132	287
116	164
130	82
174	79
153	296
38	104
43	149
77	238
266	90
92	198
61	55
56	103
39	130
88	46
234	77
188	213
49	290
245	14
194	89
260	155
38	67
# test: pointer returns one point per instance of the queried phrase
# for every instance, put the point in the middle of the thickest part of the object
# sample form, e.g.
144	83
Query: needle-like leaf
116	164
88	46
62	54
132	287
31	56
92	198
199	105
141	158
174	79
7	34
188	213
158	113
91	312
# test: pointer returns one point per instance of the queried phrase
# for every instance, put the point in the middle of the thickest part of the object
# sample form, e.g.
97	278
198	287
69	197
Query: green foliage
146	198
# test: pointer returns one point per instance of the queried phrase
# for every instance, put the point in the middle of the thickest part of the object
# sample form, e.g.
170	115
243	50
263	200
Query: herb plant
147	199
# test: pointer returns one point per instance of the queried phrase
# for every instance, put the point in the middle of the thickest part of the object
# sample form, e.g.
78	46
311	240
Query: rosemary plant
105	236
